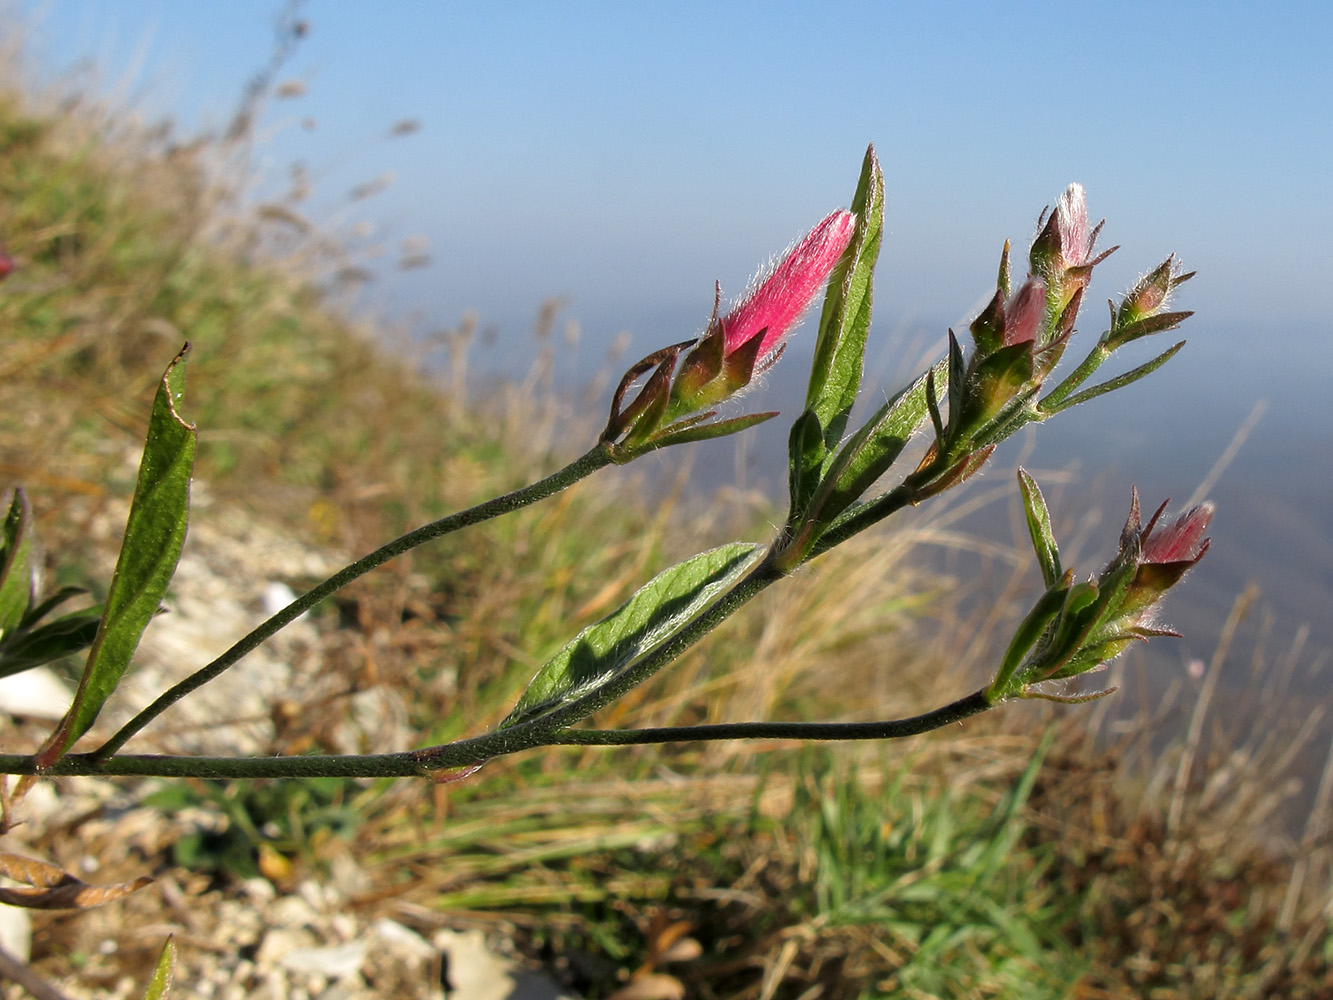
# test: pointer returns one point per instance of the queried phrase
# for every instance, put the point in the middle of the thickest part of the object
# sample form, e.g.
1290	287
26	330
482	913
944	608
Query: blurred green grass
1012	857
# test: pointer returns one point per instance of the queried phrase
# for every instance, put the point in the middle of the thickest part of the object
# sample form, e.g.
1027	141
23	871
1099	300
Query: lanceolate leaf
159	986
835	376
62	637
603	651
154	534
15	571
805	446
1039	527
870	452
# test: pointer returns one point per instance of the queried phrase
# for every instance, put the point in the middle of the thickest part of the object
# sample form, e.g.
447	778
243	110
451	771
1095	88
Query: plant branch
580	468
465	753
963	708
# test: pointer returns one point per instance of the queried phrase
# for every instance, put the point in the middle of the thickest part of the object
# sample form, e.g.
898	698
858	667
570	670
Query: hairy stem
465	753
963	708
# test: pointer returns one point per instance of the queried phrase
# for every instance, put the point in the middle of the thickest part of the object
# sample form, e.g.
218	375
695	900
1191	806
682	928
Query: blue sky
626	155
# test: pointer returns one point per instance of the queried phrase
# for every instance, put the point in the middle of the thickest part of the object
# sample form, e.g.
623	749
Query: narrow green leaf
1039	527
154	534
1029	630
870	452
805	447
660	608
159	986
692	430
63	637
1110	385
844	322
39	611
15	564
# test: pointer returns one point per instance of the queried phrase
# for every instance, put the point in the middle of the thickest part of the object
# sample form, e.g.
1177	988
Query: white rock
477	974
35	693
276	596
280	942
16	932
337	962
402	939
292	911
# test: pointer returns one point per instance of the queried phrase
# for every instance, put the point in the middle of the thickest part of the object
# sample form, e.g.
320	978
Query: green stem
856	519
1052	402
465	753
580	468
963	708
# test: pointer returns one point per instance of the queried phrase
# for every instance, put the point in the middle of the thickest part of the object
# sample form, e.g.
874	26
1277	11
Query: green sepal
960	392
605	652
996	380
738	367
1039	527
623	418
154	534
700	366
988	328
844	321
643	416
15	564
685	431
933	408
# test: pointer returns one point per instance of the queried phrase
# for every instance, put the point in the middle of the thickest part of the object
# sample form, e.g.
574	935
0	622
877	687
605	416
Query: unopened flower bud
1062	252
1024	313
734	347
1143	310
775	303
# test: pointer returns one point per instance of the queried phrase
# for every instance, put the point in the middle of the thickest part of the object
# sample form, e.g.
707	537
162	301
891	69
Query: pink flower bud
775	303
1024	313
1181	541
1071	218
1166	552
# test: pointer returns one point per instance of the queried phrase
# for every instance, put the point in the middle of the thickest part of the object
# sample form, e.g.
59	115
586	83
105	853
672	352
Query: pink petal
1180	541
776	303
1024	313
1072	217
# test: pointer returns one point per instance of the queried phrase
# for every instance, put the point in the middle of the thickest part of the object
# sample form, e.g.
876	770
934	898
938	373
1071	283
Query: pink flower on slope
775	303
